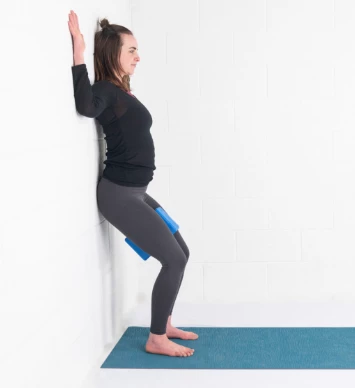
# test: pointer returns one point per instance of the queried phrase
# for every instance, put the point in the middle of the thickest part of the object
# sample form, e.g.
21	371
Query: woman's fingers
76	19
73	23
73	19
78	38
73	30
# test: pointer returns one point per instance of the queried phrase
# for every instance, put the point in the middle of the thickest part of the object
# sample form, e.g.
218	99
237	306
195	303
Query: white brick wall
253	121
258	155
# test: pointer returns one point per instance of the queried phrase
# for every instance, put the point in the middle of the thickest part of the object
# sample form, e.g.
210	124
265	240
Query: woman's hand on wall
77	36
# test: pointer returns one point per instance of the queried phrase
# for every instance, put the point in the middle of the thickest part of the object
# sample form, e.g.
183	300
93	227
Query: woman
122	190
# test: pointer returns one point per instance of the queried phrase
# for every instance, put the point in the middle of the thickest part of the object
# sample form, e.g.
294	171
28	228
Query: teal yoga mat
243	348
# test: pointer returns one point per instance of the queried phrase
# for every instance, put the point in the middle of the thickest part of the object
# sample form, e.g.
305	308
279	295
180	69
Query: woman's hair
107	49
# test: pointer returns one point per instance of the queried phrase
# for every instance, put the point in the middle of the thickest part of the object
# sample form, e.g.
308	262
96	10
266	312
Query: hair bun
104	23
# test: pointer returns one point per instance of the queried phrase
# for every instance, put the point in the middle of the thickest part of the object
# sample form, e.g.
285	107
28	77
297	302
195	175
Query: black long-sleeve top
126	123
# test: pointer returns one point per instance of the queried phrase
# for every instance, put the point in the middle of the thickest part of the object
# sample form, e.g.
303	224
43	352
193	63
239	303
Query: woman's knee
187	254
176	260
185	257
182	243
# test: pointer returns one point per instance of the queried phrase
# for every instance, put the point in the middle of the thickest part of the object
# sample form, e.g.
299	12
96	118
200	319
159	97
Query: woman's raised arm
90	100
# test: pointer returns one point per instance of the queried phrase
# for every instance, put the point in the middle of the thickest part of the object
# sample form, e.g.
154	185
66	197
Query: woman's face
129	56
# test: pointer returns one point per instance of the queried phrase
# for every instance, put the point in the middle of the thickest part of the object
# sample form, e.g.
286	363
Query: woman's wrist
78	59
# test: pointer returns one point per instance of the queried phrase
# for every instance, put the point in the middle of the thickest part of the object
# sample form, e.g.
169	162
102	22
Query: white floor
337	314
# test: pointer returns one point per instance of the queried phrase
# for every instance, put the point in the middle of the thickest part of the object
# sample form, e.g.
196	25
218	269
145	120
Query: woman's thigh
127	210
178	237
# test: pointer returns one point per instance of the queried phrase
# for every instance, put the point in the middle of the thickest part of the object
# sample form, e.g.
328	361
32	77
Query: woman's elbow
84	111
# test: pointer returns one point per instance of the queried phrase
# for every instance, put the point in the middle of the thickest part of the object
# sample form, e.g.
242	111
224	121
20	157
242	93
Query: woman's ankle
157	337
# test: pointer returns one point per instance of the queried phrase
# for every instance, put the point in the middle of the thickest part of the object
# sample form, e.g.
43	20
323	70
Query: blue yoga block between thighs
173	226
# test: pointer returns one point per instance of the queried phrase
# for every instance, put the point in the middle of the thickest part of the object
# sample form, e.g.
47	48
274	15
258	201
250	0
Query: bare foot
173	332
160	344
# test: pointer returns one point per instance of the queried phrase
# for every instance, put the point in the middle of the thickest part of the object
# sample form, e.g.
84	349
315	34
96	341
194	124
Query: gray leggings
132	211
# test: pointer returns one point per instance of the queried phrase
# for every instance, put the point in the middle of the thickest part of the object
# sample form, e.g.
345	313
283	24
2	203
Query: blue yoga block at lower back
173	226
